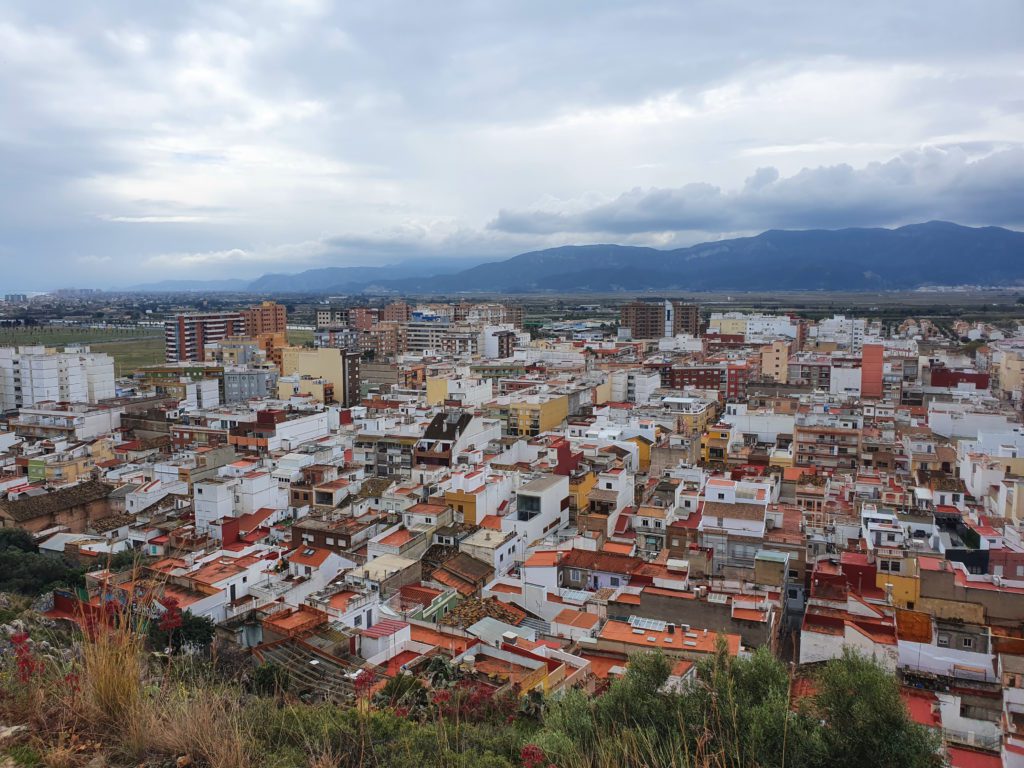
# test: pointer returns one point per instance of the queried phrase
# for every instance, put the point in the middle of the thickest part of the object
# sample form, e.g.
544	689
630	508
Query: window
675	542
967	642
614	581
358	621
791	593
574	574
657	523
721	496
943	641
608	486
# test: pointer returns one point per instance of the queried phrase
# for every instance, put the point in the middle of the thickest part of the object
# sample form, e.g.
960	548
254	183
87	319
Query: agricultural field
300	336
131	348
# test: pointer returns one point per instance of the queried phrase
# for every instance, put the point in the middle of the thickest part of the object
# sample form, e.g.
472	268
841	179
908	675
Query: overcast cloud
144	141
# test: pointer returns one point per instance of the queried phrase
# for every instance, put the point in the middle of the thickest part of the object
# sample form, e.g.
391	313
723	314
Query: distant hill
322	280
934	253
185	286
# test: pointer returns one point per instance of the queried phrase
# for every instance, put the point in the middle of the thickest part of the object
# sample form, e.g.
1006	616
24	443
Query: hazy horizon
197	142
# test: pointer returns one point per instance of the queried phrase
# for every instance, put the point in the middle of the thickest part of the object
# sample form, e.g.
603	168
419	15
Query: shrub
270	678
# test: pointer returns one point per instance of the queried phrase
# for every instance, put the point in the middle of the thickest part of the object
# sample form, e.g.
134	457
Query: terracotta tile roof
606	562
31	507
311	556
578	619
735	511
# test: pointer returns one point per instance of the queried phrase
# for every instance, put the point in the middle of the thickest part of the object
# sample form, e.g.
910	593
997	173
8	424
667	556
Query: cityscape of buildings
537	501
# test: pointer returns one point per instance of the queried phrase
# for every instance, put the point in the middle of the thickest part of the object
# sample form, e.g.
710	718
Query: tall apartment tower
34	374
267	317
657	319
514	314
685	319
332	316
645	319
186	335
396	312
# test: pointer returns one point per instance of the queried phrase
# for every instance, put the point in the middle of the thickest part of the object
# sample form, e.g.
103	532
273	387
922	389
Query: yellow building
728	326
319	389
905	583
60	468
102	449
534	414
643	451
1010	373
603	392
580	485
714	444
695	416
333	365
437	390
775	361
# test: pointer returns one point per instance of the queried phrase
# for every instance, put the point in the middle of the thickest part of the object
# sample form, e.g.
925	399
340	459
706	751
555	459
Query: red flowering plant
532	756
28	688
26	663
364	683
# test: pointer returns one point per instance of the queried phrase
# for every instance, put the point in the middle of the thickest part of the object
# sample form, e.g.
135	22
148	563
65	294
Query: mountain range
861	259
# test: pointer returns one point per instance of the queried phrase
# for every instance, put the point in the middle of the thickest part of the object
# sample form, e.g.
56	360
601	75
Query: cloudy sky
144	141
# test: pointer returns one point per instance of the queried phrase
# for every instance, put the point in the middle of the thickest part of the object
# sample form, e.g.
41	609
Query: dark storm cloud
916	186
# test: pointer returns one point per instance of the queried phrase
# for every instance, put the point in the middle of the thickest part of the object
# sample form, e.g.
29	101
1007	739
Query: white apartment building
847	332
542	506
634	385
36	374
235	493
755	327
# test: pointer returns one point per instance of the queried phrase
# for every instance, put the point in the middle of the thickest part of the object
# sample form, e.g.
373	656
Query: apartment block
267	317
33	375
655	320
337	366
186	335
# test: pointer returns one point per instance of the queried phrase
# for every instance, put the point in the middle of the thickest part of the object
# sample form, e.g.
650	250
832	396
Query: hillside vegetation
106	699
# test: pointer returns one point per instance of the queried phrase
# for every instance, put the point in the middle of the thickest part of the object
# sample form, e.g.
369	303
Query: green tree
28	572
864	720
16	538
177	629
270	678
124	560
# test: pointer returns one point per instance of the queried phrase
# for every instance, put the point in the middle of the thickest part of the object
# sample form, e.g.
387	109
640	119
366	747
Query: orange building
265	318
871	369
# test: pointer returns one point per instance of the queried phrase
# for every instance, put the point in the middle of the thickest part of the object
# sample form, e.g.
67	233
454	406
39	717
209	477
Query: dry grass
326	759
61	756
111	677
205	724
